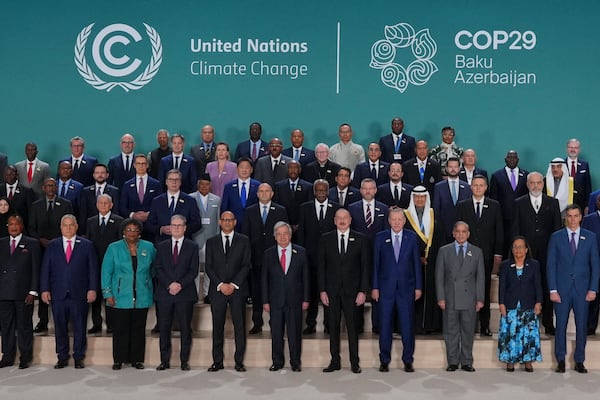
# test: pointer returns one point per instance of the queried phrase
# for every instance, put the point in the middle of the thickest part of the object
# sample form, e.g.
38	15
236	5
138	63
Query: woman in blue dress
520	303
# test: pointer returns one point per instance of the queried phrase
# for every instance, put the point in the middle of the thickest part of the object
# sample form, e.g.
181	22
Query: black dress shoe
240	368
207	300
468	368
138	365
309	330
274	367
163	366
39	328
356	369
6	363
591	332
579	367
452	368
408	367
215	367
560	368
95	329
185	366
155	330
296	368
117	366
60	364
332	367
550	330
485	332
109	331
79	364
24	364
255	330
384	367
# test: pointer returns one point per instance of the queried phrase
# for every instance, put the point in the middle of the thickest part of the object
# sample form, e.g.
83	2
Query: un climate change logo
121	65
399	36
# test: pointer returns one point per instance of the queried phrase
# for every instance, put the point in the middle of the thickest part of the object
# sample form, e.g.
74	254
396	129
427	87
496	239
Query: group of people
417	232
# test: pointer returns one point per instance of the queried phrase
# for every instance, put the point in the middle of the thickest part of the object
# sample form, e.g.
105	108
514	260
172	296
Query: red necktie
30	172
175	252
69	251
573	169
254	152
283	260
13	246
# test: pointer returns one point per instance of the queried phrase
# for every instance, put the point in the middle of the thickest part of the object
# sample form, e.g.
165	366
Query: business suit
243	150
461	286
234	268
263	169
41	172
591	222
351	195
285	292
572	276
379	213
19	275
87	202
342	276
431	175
397	281
118	173
183	270
261	238
291	200
68	284
305	155
443	205
187	167
582	182
22	200
363	170
462	174
83	174
203	153
209	217
231	199
386	195
388	150
160	215
72	191
130	201
313	171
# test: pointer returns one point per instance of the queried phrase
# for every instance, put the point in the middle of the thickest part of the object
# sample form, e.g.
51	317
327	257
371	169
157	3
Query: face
68	227
131	233
453	168
127	144
368	190
208	134
140	165
420	200
342	220
10	175
557	170
177	145
31	151
177	228
162	138
573	148
478	187
519	249
460	233
345	133
397	220
397	126
511	159
275	147
447	136
320	191
15	226
100	174
203	187
297	138
374	152
222	152
4	206
469	158
283	236
255	132
173	182
321	153
77	148
573	218
227	222
103	205
244	170
421	149
395	172
293	170
49	188
535	184
342	179
65	169
265	193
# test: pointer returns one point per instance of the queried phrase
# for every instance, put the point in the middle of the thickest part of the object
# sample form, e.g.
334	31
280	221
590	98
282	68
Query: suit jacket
187	167
261	235
243	150
74	278
45	225
160	215
431	176
313	171
41	172
231	200
591	222
386	196
501	190
306	155
154	158
461	286
310	228
565	271
73	193
380	219
526	289
347	274
363	170
582	183
487	232
183	271
231	268
388	153
199	153
20	271
87	202
209	219
443	205
352	195
281	289
263	170
22	200
130	202
103	238
117	174
303	192
85	172
462	175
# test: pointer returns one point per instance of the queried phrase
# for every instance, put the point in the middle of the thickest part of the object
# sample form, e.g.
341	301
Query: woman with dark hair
127	288
520	303
5	212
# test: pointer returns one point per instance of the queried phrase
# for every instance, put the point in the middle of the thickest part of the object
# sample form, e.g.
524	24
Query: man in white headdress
559	184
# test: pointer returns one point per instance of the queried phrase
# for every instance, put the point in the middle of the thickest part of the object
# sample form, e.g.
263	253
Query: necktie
296	154
243	195
478	211
176	162
227	244
253	152
175	252
10	192
461	254
397	247
453	192
398	142
322	213
283	260
76	166
369	216
293	187
537	205
342	244
207	152
373	171
127	162
572	243
30	172
573	169
50	205
98	191
264	215
63	189
103	224
141	190
172	206
396	194
13	246
513	179
275	166
69	251
422	172
341	197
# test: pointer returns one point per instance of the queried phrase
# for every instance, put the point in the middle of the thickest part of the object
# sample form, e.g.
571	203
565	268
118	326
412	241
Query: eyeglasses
132	230
177	225
227	219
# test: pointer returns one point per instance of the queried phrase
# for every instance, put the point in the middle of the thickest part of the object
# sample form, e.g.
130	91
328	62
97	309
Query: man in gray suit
273	167
209	205
460	288
33	171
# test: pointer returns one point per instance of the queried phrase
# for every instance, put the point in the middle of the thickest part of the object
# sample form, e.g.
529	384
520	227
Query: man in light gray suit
209	205
32	171
273	167
460	289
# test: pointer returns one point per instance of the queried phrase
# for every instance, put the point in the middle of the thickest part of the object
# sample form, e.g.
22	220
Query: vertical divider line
337	71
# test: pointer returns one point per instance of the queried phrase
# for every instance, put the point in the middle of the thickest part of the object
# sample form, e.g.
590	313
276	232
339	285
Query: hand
111	301
305	305
360	298
375	294
165	230
442	304
590	296
141	215
537	309
91	296
29	299
46	297
502	309
267	307
554	297
227	289
174	288
423	260
324	298
418	294
478	306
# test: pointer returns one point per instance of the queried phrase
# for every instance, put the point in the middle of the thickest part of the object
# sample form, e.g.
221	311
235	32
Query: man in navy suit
68	188
397	284
468	169
253	148
176	267
394	192
83	166
285	294
204	152
342	193
89	194
121	166
591	222
422	169
241	192
447	194
292	192
368	216
573	278
69	280
180	161
397	146
374	167
296	151
579	170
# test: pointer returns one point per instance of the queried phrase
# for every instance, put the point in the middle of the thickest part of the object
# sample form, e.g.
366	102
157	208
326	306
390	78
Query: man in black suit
121	166
285	294
374	167
89	194
484	217
176	267
19	197
316	218
395	192
163	150
579	170
228	265
322	167
468	168
397	146
292	192
253	148
83	165
537	217
259	220
342	193
422	170
20	260
272	167
204	152
343	275
296	151
102	229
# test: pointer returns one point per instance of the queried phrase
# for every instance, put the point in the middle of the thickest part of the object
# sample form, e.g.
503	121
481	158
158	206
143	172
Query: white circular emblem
383	55
102	50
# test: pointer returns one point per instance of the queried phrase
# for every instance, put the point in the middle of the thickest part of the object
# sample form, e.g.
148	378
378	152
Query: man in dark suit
394	192
254	148
121	166
316	218
397	146
422	170
344	278
484	217
374	167
241	192
32	171
342	193
89	194
176	267
285	294
69	279
204	152
20	260
591	222
573	278
579	170
102	229
83	165
163	150
19	197
228	265
368	216
273	167
468	168
259	220
322	167
67	187
296	151
180	161
397	284
292	192
447	194
536	217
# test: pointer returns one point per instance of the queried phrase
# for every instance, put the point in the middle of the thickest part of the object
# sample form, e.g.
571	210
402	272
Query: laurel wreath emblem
139	82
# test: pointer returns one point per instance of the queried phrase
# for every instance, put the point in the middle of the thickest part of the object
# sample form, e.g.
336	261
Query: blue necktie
397	247
243	195
172	207
573	244
397	148
453	192
264	215
296	154
422	173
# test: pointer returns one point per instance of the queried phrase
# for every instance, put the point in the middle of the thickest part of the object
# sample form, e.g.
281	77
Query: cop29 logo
113	67
397	38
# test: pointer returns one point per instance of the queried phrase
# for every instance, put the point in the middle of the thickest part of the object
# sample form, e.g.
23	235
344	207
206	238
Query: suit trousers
75	311
257	303
290	317
459	332
237	307
404	310
337	305
180	311
129	334
568	301
15	316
